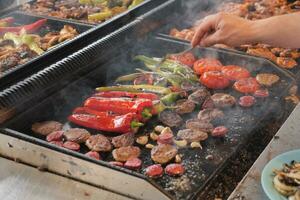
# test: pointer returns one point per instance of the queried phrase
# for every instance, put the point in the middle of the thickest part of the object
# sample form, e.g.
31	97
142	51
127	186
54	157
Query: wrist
256	32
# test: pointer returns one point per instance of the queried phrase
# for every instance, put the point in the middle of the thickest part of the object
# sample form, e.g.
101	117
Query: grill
52	94
88	34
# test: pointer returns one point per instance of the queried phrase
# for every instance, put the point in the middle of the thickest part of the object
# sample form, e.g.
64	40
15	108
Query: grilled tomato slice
233	72
185	58
207	64
214	80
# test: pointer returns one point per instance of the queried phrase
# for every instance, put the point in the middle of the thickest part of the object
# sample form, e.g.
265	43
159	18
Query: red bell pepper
104	121
116	94
29	28
142	107
6	21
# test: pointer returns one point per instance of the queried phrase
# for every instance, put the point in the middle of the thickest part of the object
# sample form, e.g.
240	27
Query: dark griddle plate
62	99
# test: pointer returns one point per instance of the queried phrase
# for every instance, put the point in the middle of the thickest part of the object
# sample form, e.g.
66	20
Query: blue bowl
267	174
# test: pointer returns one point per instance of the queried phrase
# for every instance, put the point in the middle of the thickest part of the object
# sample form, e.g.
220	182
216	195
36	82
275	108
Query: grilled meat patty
77	135
222	100
197	125
210	114
122	154
123	140
199	96
98	143
184	106
192	135
163	153
170	118
46	127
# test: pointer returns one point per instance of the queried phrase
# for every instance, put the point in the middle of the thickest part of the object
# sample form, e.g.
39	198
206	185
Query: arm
231	30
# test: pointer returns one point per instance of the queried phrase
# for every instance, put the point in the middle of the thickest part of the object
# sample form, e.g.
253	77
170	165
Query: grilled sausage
77	135
261	93
55	136
122	154
123	140
154	171
71	145
246	101
46	127
93	154
219	131
57	143
115	163
192	135
222	100
163	153
133	163
98	143
174	169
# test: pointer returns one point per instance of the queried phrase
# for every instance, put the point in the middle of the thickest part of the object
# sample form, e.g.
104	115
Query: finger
211	39
206	26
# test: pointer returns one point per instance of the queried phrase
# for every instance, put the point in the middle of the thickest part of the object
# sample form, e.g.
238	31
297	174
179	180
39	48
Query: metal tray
63	93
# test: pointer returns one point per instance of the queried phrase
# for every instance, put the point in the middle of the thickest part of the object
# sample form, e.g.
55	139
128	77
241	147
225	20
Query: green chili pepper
170	98
101	16
136	88
24	39
129	77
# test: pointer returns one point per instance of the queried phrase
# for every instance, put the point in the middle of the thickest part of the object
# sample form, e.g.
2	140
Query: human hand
223	28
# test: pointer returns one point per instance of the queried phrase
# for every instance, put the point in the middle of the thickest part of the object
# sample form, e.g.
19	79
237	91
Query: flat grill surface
241	122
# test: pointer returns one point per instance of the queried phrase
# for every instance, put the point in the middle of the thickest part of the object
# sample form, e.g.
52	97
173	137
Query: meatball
170	118
98	143
77	135
123	140
222	100
184	106
123	154
210	114
197	125
163	153
192	135
199	96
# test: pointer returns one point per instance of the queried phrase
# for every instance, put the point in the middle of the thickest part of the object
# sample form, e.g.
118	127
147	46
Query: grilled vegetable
135	3
170	98
104	121
134	95
29	28
142	107
136	88
101	16
24	39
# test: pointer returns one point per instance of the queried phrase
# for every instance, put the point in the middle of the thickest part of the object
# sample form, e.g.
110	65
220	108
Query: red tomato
233	72
207	64
214	80
246	101
246	85
186	58
262	93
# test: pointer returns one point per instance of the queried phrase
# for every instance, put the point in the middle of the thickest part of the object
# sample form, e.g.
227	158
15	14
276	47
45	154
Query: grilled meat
192	135
184	106
210	114
287	63
222	100
197	125
170	118
123	154
123	140
163	153
267	79
46	127
262	52
77	135
98	143
199	96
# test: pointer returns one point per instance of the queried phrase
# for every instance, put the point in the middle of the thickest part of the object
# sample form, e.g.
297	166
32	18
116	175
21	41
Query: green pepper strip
129	77
170	98
136	88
